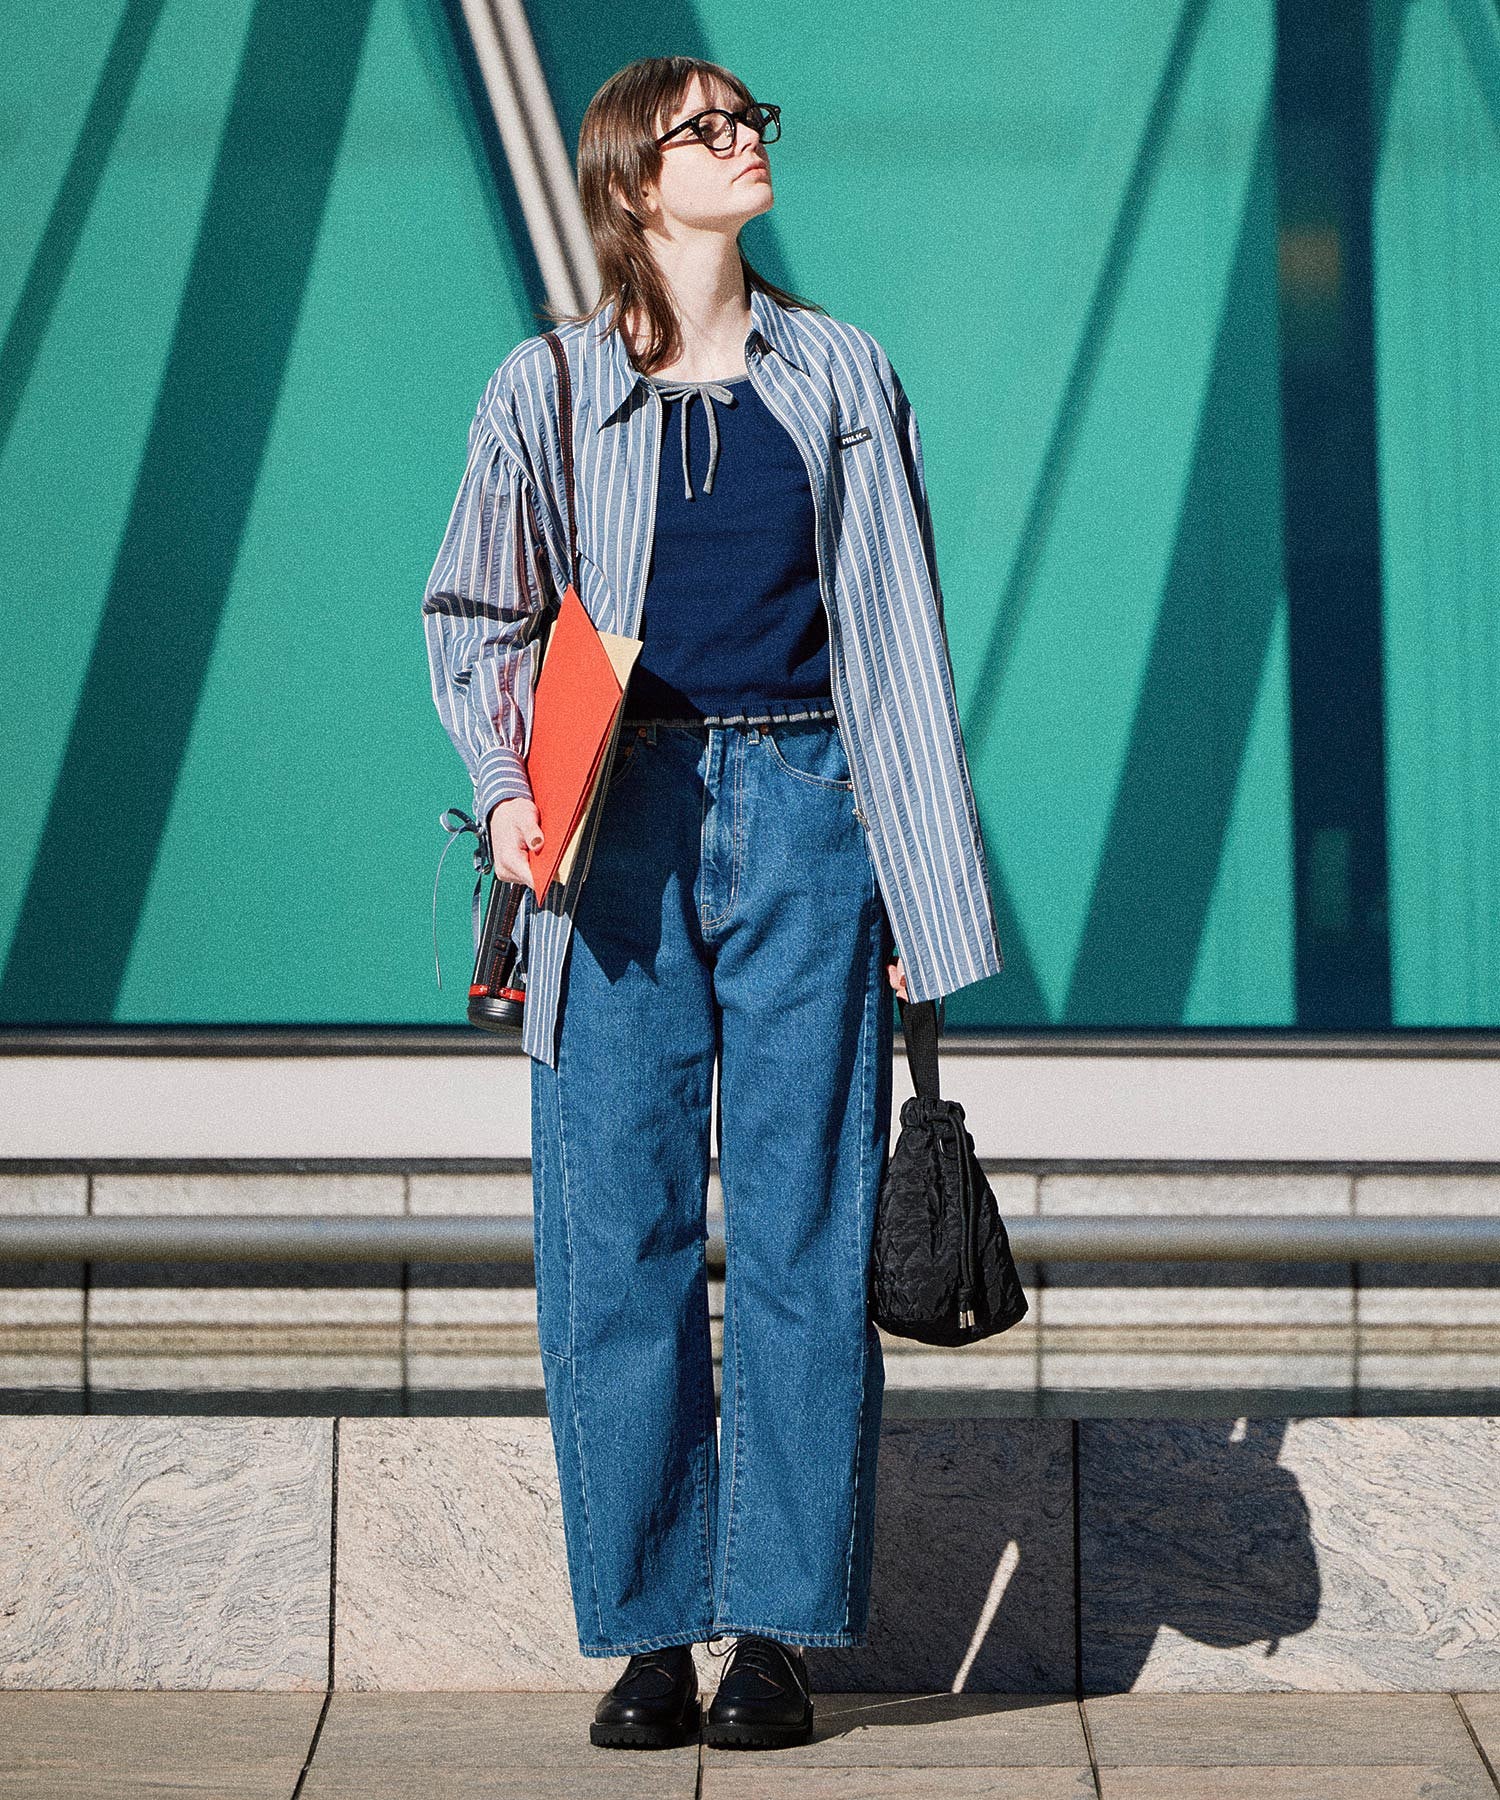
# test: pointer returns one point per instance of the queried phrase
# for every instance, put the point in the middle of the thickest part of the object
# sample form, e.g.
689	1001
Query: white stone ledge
1057	1105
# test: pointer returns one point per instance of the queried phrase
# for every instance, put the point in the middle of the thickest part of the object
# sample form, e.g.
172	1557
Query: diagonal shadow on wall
1172	805
1478	25
1024	999
123	62
192	496
441	36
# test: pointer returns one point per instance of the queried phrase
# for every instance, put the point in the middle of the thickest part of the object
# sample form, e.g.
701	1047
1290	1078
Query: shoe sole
647	1737
756	1737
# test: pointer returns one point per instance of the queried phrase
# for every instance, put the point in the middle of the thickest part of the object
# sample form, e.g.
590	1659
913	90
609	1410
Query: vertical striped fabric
834	390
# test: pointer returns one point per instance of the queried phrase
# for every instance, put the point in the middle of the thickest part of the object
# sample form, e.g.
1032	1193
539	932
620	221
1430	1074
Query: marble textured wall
451	1560
164	1553
1316	1554
1332	1555
452	1570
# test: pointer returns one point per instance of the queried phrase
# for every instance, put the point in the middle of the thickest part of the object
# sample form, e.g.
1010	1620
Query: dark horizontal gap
246	1275
1263	1275
41	1275
470	1275
465	1040
899	1403
521	1165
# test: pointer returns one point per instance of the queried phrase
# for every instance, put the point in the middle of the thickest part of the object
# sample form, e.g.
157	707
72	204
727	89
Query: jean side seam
705	1440
583	1479
865	1036
739	1409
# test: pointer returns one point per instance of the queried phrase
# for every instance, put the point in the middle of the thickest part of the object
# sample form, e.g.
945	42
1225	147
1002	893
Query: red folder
576	708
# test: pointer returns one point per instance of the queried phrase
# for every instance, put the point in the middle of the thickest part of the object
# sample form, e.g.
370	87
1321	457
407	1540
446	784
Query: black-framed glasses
716	126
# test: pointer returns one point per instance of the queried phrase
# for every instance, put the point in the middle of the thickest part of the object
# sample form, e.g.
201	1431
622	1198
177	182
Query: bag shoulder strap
532	539
921	1026
565	428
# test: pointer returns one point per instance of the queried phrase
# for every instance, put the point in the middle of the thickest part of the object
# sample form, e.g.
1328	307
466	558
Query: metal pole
534	148
479	1239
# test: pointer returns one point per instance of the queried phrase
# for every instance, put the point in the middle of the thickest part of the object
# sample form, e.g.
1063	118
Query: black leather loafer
654	1704
764	1699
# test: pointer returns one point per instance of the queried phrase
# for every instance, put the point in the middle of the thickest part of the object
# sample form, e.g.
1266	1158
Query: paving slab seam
1088	1744
312	1747
333	1549
1489	1767
1075	1445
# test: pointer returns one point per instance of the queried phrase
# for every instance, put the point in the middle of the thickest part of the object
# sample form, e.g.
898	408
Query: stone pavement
78	1745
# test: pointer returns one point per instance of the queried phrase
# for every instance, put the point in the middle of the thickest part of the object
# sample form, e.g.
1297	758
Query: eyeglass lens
717	128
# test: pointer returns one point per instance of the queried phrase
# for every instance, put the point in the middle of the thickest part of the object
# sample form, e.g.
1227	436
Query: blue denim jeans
730	917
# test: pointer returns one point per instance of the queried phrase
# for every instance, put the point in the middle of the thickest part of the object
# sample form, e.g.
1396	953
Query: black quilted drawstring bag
941	1269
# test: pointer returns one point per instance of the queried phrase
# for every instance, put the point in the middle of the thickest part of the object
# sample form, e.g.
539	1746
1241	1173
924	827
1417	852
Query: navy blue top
733	619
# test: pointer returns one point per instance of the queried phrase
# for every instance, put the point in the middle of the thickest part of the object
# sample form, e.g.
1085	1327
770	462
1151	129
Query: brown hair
617	155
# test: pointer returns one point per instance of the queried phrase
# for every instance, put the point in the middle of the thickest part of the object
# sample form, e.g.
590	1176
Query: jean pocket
810	751
624	759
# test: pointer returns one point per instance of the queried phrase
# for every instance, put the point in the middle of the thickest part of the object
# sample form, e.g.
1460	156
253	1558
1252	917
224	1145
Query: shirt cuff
501	776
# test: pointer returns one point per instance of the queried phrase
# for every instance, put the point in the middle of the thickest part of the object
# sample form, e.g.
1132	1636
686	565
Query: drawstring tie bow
707	392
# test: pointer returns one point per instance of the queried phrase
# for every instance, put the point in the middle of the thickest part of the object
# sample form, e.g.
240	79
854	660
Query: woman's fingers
514	832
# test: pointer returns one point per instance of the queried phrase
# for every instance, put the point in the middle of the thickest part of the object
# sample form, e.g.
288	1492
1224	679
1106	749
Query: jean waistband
812	709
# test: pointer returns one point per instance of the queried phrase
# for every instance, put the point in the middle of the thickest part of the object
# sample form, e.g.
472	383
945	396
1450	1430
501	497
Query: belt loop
650	731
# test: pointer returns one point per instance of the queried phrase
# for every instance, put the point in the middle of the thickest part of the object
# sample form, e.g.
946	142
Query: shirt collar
771	328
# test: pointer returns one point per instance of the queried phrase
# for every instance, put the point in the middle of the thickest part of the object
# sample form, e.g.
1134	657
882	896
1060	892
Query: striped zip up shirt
835	391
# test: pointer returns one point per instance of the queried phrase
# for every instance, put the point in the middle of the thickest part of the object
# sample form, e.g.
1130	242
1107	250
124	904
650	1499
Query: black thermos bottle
497	994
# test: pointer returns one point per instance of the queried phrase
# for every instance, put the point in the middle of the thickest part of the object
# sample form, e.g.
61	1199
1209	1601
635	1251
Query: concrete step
1334	1336
410	1362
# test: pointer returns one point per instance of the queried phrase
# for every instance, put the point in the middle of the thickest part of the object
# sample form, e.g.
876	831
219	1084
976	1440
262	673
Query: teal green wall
1437	335
291	878
1061	224
1064	233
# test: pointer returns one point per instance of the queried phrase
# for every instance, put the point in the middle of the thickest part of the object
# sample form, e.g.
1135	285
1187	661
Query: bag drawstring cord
966	1210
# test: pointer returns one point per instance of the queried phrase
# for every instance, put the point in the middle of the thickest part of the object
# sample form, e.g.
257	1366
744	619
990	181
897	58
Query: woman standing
788	807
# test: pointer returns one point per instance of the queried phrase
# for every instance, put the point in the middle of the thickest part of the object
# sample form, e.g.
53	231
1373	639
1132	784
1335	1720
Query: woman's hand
897	977
514	828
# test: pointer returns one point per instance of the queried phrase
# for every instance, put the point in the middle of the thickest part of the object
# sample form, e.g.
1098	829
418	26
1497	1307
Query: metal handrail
470	1238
